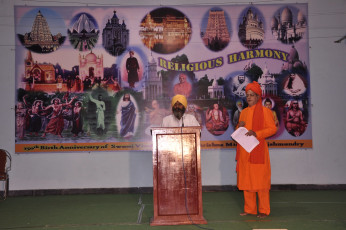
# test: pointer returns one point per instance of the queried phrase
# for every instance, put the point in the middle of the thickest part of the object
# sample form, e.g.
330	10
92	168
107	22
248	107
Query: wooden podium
177	176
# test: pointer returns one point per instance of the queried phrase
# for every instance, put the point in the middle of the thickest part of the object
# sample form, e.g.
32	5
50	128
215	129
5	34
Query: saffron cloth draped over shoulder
257	154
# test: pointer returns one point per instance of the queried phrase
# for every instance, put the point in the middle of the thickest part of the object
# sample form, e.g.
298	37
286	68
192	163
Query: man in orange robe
253	169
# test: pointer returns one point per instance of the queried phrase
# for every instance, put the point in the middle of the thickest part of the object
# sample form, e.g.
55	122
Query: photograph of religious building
216	34
91	66
40	39
115	36
267	82
84	32
215	90
47	77
165	30
294	63
251	29
152	81
39	76
288	26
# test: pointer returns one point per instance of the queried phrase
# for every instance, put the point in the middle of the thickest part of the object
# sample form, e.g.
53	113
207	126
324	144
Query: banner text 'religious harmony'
219	61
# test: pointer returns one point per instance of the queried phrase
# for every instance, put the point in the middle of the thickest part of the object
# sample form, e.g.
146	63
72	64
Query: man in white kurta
179	118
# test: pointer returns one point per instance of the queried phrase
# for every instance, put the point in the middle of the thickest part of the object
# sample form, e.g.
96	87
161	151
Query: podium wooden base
174	220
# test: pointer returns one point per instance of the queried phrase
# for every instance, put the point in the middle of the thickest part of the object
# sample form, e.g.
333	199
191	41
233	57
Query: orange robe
255	176
251	177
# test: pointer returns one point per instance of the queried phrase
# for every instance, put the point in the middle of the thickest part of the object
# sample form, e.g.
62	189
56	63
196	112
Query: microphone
182	121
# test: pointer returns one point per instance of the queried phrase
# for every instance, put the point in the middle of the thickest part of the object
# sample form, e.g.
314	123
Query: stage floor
294	210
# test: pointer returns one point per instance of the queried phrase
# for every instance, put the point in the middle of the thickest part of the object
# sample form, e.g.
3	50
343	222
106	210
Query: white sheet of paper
247	142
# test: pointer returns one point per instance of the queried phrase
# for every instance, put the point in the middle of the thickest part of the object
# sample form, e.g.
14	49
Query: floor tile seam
329	220
305	202
271	220
71	225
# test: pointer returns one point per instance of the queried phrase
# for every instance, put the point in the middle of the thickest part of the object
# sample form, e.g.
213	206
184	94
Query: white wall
324	164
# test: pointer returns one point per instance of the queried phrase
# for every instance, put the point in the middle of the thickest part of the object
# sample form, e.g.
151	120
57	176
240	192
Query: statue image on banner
217	119
183	87
295	120
100	113
126	116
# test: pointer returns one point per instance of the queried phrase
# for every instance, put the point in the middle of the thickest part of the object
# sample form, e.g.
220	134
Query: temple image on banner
216	36
267	82
216	90
40	39
165	30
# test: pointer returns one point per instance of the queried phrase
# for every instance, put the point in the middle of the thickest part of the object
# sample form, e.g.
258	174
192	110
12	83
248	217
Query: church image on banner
115	36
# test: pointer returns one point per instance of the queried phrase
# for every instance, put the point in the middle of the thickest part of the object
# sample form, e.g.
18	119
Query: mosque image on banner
284	28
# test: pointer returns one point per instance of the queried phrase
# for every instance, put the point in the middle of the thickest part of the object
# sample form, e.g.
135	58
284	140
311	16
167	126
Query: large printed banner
99	78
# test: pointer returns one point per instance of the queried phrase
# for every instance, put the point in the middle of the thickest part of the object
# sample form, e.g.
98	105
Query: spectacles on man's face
251	95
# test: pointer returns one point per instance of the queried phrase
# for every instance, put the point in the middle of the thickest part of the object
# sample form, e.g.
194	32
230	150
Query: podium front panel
172	181
177	186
